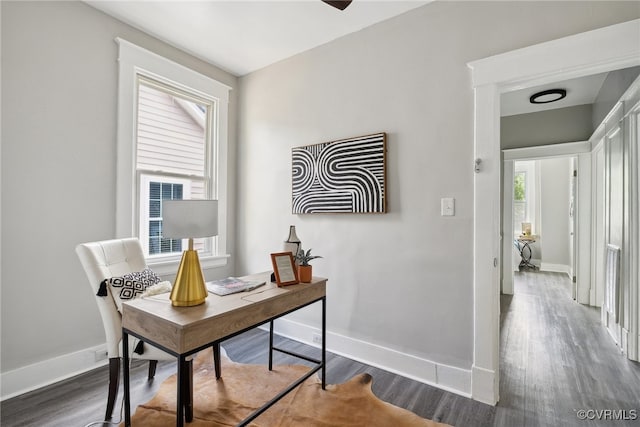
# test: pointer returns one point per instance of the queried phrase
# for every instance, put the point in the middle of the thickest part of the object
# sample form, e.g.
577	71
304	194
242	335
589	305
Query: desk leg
324	341
187	391
125	373
180	390
271	345
216	359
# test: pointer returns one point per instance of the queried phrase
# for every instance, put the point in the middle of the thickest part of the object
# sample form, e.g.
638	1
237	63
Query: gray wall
616	83
401	280
568	124
59	89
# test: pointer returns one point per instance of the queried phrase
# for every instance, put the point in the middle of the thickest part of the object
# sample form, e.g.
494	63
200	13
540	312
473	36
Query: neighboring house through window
171	158
172	127
153	190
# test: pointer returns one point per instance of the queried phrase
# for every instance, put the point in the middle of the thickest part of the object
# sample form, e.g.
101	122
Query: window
160	191
153	190
525	197
519	201
172	144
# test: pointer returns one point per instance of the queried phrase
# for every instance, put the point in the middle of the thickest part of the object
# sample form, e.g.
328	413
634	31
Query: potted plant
304	268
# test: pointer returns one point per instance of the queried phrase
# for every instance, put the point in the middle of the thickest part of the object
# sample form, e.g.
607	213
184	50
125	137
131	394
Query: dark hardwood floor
556	359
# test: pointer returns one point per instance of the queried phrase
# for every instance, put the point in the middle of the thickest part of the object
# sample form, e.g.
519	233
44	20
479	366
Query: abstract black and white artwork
346	176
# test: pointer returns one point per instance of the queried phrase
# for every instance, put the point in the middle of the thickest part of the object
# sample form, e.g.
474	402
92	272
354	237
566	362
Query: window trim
133	61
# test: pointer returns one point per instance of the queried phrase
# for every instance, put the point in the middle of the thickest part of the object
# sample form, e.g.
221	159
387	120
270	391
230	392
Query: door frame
581	151
618	46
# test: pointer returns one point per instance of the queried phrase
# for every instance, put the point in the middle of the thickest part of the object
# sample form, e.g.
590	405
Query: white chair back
105	259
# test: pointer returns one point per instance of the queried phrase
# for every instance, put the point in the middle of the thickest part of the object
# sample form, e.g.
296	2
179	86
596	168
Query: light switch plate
447	206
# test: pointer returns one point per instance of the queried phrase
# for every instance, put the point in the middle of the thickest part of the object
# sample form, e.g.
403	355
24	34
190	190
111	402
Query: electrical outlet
100	355
317	339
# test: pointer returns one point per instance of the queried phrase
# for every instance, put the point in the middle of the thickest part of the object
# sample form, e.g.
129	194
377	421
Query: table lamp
189	219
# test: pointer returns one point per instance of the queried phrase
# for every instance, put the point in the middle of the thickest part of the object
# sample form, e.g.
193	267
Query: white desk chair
114	258
103	260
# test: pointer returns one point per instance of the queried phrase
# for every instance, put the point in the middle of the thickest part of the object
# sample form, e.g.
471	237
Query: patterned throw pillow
128	286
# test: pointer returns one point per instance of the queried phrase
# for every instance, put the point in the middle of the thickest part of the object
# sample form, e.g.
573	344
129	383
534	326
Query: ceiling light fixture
547	96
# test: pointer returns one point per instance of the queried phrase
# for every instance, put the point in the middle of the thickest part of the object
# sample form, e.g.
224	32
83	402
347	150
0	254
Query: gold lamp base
189	289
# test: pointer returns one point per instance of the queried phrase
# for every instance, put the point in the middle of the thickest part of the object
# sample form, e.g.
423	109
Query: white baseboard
37	375
555	268
624	341
449	378
484	387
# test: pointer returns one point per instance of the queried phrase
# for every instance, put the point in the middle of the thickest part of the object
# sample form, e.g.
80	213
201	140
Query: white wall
554	213
59	86
401	281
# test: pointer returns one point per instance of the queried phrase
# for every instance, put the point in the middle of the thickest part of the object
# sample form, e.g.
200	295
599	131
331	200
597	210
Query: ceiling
242	36
580	91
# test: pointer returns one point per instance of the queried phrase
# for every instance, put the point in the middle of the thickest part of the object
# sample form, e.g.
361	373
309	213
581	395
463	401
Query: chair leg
216	360
114	378
152	369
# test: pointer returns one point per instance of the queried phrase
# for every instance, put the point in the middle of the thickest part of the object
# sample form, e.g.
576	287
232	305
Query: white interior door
573	206
598	203
614	214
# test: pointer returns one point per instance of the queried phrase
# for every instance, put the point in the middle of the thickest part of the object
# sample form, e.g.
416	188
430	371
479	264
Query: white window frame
134	61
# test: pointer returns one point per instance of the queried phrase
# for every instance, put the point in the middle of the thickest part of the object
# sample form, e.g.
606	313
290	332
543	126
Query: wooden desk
183	331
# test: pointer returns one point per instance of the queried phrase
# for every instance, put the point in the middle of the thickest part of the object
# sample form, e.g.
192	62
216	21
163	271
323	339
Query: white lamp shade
189	218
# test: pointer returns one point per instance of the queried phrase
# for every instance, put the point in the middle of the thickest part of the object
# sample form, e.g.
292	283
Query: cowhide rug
244	388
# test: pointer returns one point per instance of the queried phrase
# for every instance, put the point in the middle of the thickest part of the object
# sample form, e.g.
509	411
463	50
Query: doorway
567	57
541	194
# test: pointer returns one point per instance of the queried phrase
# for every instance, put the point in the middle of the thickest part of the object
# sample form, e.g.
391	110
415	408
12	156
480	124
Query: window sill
166	267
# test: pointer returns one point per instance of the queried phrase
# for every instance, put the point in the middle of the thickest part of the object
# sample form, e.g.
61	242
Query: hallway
556	359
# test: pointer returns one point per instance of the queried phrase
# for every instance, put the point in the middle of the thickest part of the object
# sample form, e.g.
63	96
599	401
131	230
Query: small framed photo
284	268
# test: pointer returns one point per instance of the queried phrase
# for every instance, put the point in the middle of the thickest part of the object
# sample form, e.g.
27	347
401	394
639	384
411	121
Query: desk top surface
220	316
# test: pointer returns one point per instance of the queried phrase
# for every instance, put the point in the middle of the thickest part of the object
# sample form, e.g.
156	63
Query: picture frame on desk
284	269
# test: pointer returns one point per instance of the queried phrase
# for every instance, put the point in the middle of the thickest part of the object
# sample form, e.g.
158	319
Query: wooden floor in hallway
556	359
